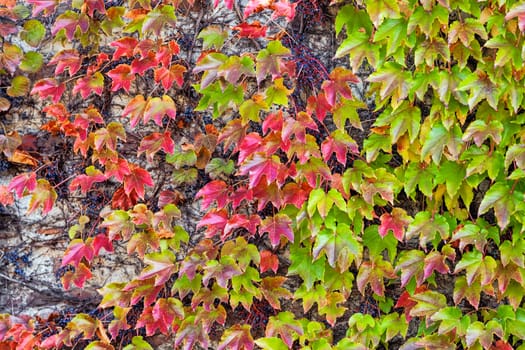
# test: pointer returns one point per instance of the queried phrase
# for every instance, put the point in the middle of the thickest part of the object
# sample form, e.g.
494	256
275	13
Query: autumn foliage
384	194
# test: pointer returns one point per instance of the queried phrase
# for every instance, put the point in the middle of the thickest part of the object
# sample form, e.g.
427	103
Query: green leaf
19	86
452	174
271	343
359	47
138	343
33	32
381	9
331	308
340	246
286	326
420	175
304	265
32	62
502	200
213	37
435	143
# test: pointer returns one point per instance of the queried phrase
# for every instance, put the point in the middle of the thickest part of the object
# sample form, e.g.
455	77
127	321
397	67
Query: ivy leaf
221	271
158	18
156	108
66	59
191	333
88	84
272	343
277	226
137	179
481	87
260	165
76	251
476	266
78	277
154	142
479	131
22	182
138	343
340	246
160	265
397	222
32	62
373	272
499	197
33	33
286	326
85	182
44	195
340	143
428	303
393	79
427	226
517	10
46	6
49	87
338	84
304	265
237	337
323	201
125	47
165	311
214	191
381	9
331	308
212	37
272	290
470	234
269	60
452	174
69	21
121	77
168	76
252	30
411	264
269	261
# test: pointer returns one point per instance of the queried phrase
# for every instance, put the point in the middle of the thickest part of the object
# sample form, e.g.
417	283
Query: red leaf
251	30
69	21
214	191
121	77
118	169
140	65
125	47
168	76
240	194
274	121
77	250
81	274
260	165
397	222
236	338
229	3
160	265
69	59
102	241
154	142
47	6
435	261
338	84
255	6
44	195
277	226
250	144
6	197
93	5
86	181
49	87
136	180
268	261
215	220
165	311
406	302
88	84
135	109
284	8
295	194
320	105
22	182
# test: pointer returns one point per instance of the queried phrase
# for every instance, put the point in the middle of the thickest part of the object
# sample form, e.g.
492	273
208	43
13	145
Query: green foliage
421	206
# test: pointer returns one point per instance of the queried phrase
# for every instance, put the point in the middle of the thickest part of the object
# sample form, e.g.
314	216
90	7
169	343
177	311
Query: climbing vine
380	188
